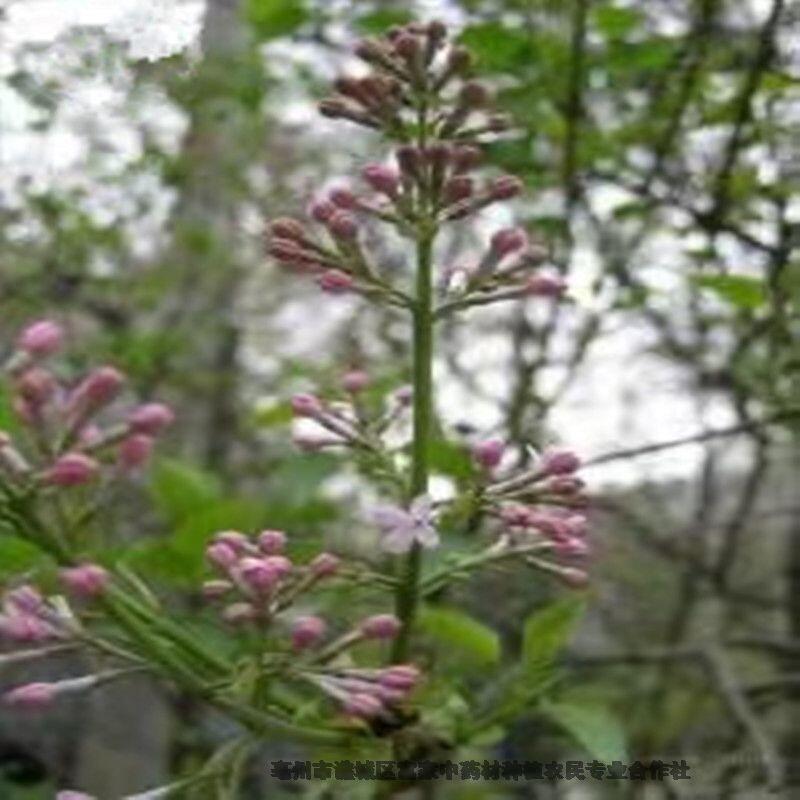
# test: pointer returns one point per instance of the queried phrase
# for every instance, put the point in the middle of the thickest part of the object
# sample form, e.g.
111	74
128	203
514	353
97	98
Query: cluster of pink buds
344	422
540	505
68	444
422	184
256	580
367	693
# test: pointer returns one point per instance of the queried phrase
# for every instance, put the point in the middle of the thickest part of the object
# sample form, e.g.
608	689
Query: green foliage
17	556
592	725
737	290
465	639
450	459
547	632
273	18
378	21
498	47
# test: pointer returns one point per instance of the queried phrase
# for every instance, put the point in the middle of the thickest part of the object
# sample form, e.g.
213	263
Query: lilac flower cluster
68	445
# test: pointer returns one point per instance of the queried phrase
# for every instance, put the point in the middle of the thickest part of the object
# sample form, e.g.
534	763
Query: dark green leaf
547	631
592	726
738	290
273	18
461	634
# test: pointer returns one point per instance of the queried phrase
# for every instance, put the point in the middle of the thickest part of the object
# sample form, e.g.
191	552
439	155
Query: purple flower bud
306	405
307	632
559	462
271	542
457	188
287	228
355	381
334	281
343	198
325	564
134	451
574	578
489	453
236	540
343	226
221	555
363	705
382	178
545	286
380	626
406	46
31	696
409	158
100	387
404	395
151	418
400	676
474	95
465	158
508	240
71	469
25	599
86	581
24	629
41	339
505	187
322	210
37	386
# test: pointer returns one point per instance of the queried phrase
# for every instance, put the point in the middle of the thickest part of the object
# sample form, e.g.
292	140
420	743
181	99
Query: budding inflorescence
421	95
66	444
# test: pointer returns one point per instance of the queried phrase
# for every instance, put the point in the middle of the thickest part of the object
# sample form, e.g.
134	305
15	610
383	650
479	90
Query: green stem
408	590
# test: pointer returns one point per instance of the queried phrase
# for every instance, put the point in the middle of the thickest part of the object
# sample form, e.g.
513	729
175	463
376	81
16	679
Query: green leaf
17	555
738	290
546	632
497	47
379	21
463	635
273	18
450	459
180	489
616	22
593	726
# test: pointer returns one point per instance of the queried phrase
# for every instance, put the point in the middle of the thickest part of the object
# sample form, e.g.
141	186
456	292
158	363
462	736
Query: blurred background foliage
659	144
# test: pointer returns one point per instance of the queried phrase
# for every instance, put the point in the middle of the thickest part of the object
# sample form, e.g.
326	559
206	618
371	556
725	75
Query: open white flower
401	528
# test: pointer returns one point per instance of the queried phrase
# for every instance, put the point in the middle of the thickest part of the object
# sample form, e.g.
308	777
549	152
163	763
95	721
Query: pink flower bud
213	590
355	381
306	405
100	387
343	226
407	46
221	555
409	158
71	469
282	565
465	158
363	705
380	626
151	418
25	599
134	451
322	210
564	485
458	188
239	613
287	228
236	540
41	339
545	286
505	187
400	676
307	632
508	240
489	453
271	542
474	95
334	281
572	546
559	462
37	386
86	581
382	178
343	198
325	564
258	574
24	629
31	696
574	578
